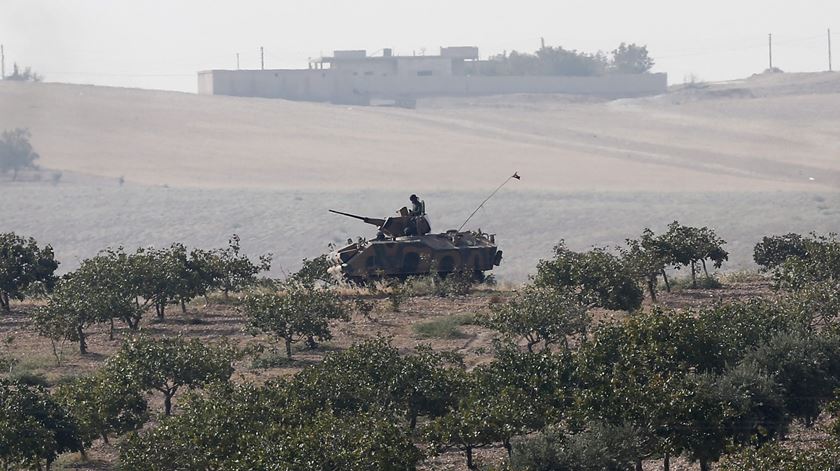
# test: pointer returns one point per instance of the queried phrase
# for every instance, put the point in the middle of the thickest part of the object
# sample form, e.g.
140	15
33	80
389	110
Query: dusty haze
749	158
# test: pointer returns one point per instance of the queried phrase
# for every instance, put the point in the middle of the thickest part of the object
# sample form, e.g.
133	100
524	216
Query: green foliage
246	427
597	447
646	258
372	376
687	246
16	152
772	251
234	271
23	264
103	405
444	328
313	272
776	456
741	406
302	312
597	278
103	288
167	364
33	427
806	366
541	315
631	59
820	265
516	393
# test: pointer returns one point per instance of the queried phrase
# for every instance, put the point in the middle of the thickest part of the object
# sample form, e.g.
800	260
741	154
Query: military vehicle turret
405	247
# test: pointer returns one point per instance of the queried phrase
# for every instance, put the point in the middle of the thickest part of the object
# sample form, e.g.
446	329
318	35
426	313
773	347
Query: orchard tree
235	270
806	366
772	251
16	152
244	427
820	265
631	59
373	375
34	428
103	288
647	258
597	447
540	315
103	405
597	278
301	312
168	364
23	263
688	246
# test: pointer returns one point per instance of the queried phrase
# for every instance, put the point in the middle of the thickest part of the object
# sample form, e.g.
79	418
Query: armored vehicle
404	247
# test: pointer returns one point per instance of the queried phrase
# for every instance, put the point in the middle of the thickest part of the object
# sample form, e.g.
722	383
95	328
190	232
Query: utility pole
542	43
2	63
770	49
262	58
829	51
237	61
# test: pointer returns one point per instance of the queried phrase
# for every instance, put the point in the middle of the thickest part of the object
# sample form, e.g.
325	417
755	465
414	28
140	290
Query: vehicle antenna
515	175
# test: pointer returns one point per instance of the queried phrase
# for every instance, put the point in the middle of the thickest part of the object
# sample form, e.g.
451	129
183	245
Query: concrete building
354	77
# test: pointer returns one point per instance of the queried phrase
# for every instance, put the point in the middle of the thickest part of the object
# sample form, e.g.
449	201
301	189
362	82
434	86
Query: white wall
344	87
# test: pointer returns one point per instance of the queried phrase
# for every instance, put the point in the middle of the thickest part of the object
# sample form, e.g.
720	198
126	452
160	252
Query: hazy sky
162	43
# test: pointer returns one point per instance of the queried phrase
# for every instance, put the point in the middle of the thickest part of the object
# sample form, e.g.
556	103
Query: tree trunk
508	447
667	285
111	332
703	261
167	403
652	288
4	301
639	464
693	275
289	348
160	307
666	462
412	420
183	307
704	465
468	451
82	343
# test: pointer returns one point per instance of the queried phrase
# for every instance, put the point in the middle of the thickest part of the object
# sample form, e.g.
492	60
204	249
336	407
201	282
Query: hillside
748	158
766	133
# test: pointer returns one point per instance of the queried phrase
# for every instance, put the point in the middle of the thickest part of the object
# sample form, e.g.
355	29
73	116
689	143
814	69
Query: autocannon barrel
374	221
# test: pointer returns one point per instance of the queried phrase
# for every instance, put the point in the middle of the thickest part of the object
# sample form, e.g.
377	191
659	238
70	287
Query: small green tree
597	447
647	258
688	246
234	270
34	429
806	366
168	364
772	251
23	263
302	312
631	59
540	315
16	152
597	277
103	405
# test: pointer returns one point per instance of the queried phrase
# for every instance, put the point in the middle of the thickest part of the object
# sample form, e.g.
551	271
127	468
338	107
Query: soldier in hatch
417	224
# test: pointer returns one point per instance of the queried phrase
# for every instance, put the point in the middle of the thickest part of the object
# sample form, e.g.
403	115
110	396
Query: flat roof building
353	76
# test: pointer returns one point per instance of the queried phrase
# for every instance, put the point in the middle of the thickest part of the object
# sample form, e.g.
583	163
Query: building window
424	73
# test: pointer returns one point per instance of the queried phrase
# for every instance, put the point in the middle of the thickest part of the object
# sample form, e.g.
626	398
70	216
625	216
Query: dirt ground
216	321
